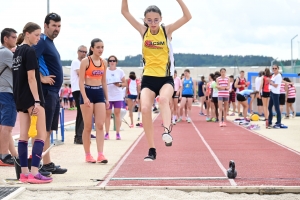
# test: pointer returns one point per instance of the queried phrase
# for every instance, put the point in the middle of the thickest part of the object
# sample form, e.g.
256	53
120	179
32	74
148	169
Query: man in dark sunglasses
52	79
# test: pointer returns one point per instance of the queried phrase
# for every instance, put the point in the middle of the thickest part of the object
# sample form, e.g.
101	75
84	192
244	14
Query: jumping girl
157	75
132	95
188	93
28	96
223	85
94	98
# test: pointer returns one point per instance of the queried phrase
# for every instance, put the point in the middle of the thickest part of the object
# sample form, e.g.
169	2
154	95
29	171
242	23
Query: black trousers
79	119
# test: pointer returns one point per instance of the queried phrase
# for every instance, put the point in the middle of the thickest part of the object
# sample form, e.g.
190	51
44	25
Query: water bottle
32	129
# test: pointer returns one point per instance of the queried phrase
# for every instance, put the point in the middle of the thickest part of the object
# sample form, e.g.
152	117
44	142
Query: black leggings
216	109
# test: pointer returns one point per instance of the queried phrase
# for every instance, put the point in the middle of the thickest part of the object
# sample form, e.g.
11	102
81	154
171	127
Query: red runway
200	156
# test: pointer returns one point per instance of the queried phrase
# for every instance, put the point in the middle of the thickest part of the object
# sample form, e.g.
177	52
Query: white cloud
218	26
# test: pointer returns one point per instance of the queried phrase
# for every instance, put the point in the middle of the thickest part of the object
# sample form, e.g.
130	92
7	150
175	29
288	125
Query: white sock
139	114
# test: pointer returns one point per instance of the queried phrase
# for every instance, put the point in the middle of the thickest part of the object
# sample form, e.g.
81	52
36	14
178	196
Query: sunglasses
274	68
112	61
82	51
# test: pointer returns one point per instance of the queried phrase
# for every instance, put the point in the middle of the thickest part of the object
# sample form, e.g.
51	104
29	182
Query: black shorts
282	99
94	93
156	83
265	94
65	99
188	96
214	99
291	100
240	97
259	102
71	99
175	96
232	97
52	107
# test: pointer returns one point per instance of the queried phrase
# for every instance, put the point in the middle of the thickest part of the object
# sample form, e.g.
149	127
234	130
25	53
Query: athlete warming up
157	75
94	98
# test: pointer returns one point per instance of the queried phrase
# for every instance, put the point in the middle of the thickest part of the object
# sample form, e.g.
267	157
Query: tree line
202	60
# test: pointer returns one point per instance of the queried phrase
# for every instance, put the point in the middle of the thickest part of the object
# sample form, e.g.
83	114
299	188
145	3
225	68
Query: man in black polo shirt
52	79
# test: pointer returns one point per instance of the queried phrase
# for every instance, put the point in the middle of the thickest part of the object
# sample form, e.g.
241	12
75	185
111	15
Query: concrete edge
15	194
226	189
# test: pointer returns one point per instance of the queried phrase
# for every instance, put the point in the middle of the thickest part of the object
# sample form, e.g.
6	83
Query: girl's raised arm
180	22
137	25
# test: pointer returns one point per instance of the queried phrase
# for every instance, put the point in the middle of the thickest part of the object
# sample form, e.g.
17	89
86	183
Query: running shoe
188	120
173	122
179	120
93	136
287	117
221	124
213	119
102	159
118	137
90	159
7	161
38	179
167	138
294	114
208	119
151	155
241	115
276	126
23	178
131	126
106	137
224	124
154	109
51	167
202	114
232	114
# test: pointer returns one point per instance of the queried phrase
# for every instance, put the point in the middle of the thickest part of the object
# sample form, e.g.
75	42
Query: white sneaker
167	138
188	120
173	122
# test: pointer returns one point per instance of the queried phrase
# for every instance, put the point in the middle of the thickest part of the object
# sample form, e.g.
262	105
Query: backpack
233	87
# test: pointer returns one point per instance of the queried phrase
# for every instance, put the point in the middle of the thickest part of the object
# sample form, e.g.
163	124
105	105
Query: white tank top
132	87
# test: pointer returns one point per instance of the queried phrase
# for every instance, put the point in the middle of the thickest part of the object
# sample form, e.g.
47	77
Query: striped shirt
223	82
282	88
291	92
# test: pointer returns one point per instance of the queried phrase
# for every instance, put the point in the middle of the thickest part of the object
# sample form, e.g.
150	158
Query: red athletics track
200	153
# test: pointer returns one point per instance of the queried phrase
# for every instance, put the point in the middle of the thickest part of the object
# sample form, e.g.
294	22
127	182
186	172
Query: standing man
52	78
75	66
8	112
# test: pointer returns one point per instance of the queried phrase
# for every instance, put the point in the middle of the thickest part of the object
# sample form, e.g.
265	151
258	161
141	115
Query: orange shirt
93	71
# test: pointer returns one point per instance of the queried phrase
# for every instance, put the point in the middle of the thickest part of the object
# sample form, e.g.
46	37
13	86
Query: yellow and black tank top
156	54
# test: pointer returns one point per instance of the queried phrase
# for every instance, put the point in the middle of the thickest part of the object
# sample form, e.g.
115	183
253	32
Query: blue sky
222	27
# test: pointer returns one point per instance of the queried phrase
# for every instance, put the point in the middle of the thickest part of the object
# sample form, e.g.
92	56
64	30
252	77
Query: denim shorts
223	98
8	111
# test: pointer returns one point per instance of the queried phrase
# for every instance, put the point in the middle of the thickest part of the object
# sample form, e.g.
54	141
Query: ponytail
20	39
90	52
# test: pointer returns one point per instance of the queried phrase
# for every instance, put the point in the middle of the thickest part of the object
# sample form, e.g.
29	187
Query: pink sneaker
106	137
118	137
23	178
38	179
131	126
90	159
102	159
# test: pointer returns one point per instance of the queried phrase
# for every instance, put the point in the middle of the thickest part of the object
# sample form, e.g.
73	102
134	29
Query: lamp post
48	6
292	63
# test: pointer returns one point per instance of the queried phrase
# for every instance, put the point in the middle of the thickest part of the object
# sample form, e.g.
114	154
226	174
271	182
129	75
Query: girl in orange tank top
94	98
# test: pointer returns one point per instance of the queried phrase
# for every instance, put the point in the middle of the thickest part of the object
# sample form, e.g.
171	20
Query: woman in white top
275	82
115	79
132	95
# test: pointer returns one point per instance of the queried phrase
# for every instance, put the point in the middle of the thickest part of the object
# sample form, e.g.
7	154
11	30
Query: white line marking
120	163
169	178
269	139
232	182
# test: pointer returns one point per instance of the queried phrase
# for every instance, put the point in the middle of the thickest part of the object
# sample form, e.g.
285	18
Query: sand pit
148	195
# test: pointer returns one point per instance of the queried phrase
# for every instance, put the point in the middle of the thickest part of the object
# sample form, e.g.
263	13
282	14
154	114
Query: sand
148	195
